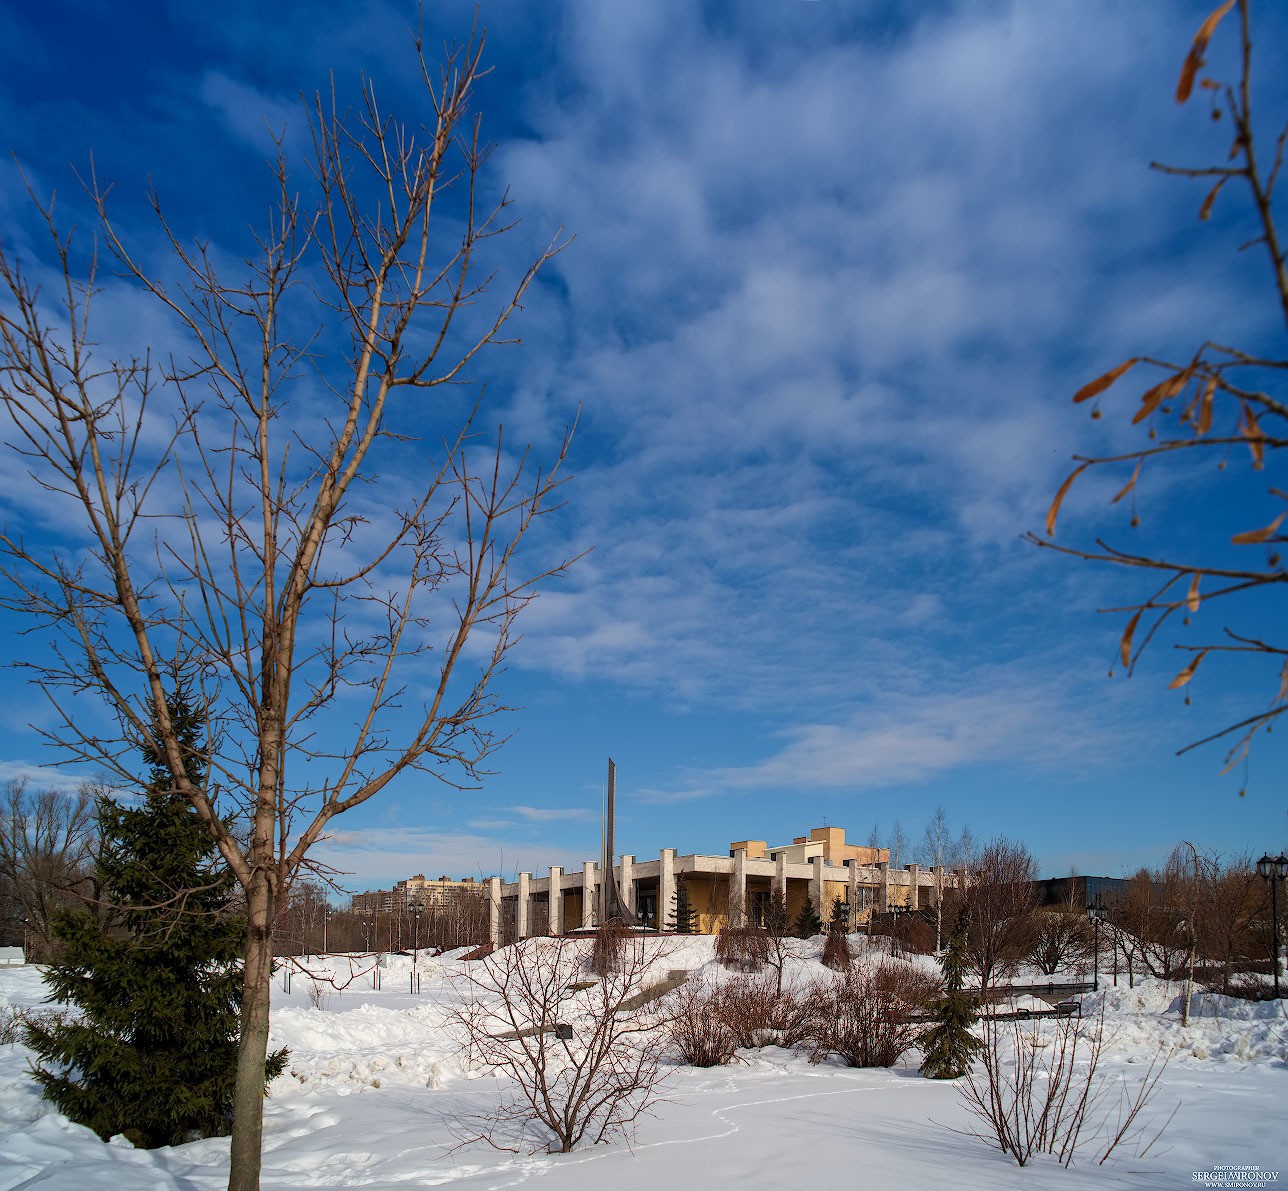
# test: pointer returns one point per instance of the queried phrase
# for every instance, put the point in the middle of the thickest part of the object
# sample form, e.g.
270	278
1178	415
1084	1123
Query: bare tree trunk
267	547
248	1095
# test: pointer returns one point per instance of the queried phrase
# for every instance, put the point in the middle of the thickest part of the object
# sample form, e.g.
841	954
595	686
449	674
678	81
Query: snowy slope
377	1096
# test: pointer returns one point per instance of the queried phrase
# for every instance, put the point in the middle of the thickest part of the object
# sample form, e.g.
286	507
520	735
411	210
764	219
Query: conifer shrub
151	1049
949	1045
684	918
808	923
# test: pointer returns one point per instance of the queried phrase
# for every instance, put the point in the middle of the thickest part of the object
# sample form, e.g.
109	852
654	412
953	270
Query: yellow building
733	889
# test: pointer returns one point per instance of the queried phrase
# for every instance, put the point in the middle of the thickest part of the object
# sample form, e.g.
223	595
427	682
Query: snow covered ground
377	1092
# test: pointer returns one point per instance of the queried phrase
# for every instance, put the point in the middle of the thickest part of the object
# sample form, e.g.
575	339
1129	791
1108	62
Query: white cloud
554	814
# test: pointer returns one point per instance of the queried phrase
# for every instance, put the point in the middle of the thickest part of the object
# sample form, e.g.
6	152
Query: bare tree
998	903
1147	925
573	1052
937	847
1232	903
47	841
1219	405
781	940
1059	936
300	917
230	541
898	844
965	851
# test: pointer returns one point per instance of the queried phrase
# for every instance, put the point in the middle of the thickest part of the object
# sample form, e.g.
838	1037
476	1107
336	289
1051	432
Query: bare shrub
743	948
14	1020
760	1014
1039	1090
609	949
870	1016
915	935
696	1026
318	995
576	1064
836	952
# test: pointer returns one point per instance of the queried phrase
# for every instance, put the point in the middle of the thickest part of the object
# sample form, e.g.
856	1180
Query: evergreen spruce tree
808	923
839	923
949	1045
151	1050
684	918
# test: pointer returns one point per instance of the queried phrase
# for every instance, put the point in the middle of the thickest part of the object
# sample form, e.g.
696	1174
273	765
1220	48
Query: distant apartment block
415	891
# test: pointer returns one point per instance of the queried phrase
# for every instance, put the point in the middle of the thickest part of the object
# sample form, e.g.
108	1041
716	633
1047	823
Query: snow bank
377	1095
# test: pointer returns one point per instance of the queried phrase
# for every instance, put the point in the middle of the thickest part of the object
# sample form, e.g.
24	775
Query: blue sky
839	268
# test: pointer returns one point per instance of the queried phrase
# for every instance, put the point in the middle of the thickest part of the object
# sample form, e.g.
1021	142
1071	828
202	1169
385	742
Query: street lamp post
1096	913
895	911
415	947
1274	869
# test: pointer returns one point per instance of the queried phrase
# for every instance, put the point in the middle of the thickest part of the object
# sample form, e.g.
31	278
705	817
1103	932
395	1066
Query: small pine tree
949	1045
808	923
152	1052
684	918
839	923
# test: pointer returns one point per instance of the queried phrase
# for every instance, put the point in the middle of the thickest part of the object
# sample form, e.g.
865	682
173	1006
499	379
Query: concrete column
556	900
914	887
780	878
816	888
852	892
883	886
628	882
588	893
521	914
665	886
738	890
494	910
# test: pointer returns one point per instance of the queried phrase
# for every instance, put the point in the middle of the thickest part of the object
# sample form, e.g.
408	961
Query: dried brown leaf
1206	209
1054	510
1205	407
1283	683
1161	392
1185	675
1194	59
1254	536
1127	487
1124	646
1251	430
1192	598
1101	383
